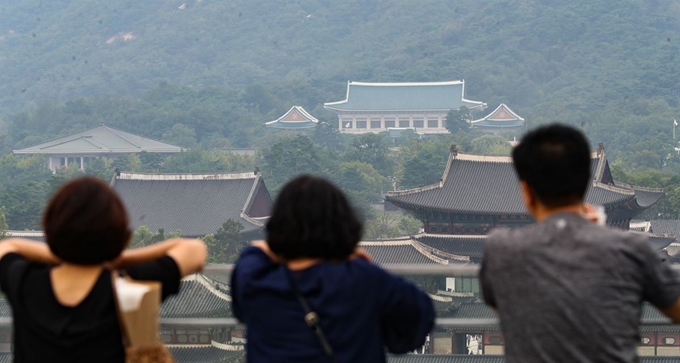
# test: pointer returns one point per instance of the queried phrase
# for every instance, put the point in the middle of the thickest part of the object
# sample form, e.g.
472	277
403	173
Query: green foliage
289	157
458	120
225	245
371	149
144	237
491	145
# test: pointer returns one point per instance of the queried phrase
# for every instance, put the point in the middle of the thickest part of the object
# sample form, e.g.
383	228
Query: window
432	123
389	122
645	340
404	122
669	341
346	123
418	123
361	123
375	123
434	229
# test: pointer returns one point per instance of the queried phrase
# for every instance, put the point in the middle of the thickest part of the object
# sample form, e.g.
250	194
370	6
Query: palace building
377	107
99	142
477	193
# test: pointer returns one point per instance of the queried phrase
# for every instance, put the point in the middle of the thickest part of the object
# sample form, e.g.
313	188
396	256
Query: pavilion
500	119
101	141
377	107
296	118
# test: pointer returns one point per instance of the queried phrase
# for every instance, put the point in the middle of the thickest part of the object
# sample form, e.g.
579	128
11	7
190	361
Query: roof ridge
115	132
436	235
184	176
402	84
502	105
434	252
426	251
203	281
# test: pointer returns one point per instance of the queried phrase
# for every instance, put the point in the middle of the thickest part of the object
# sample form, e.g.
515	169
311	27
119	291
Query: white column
82	166
65	160
49	162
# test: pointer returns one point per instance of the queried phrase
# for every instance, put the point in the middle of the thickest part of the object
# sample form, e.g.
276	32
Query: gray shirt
567	290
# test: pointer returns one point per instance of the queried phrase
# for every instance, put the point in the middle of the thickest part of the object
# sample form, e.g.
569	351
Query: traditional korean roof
488	185
196	204
38	236
425	96
206	353
199	297
400	251
100	140
501	117
445	358
456	245
296	118
474	310
5	309
485	358
6	358
669	226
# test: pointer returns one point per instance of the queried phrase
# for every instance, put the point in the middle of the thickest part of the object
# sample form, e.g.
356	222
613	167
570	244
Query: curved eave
498	124
291	125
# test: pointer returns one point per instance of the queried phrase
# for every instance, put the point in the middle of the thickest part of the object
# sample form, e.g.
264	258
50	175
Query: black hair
554	160
86	223
312	218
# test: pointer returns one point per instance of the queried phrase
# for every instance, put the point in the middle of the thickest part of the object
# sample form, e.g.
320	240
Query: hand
361	253
594	214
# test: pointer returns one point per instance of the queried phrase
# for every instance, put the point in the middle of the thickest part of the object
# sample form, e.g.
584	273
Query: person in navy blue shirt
311	248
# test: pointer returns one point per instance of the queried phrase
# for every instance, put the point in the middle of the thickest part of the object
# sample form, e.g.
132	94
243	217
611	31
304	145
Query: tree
458	120
423	164
180	135
371	149
326	134
491	145
144	237
225	245
289	157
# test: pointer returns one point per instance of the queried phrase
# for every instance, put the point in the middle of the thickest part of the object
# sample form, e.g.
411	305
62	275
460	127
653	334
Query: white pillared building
102	141
377	107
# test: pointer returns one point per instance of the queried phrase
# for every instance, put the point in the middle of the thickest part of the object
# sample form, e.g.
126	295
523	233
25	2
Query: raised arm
30	250
189	254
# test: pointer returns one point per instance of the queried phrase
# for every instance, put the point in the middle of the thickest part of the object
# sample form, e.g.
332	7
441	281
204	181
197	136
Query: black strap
312	319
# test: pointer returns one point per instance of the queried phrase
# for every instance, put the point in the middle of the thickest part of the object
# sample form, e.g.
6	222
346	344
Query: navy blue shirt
355	301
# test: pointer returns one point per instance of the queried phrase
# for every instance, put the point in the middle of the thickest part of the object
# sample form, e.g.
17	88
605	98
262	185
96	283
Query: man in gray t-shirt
567	289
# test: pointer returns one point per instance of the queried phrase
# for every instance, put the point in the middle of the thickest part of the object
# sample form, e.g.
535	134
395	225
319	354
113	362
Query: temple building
477	193
500	119
296	118
377	107
196	204
102	141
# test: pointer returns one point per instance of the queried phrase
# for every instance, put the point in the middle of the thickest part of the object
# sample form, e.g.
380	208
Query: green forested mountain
542	57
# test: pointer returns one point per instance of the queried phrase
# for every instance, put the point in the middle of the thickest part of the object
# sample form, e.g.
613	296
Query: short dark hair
312	218
86	222
554	160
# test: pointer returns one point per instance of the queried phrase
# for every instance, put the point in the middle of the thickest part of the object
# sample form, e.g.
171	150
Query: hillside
532	54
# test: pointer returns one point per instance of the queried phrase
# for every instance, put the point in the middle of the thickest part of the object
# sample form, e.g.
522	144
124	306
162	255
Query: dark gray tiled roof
195	300
5	309
646	198
205	354
472	246
479	184
474	310
397	252
461	358
6	358
666	226
450	358
195	206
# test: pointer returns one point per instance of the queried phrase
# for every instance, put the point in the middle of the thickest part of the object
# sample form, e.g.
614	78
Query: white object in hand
130	294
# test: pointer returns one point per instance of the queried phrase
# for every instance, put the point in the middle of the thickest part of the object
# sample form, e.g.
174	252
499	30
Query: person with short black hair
310	266
567	289
61	291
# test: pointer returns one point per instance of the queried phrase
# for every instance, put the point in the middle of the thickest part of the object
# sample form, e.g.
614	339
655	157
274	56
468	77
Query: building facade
378	107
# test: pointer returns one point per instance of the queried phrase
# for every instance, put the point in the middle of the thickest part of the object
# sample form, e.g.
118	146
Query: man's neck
541	212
